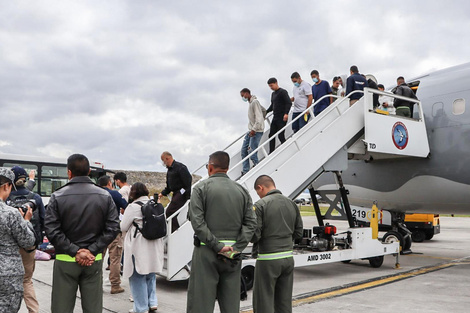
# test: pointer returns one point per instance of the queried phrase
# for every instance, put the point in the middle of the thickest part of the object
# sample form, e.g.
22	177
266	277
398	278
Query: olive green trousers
213	279
274	280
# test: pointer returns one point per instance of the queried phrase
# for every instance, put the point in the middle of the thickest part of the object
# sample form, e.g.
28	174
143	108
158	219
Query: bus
51	173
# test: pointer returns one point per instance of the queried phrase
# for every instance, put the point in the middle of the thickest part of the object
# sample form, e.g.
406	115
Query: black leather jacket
405	91
81	215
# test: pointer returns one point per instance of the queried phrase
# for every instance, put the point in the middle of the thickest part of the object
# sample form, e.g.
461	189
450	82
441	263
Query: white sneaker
106	282
131	299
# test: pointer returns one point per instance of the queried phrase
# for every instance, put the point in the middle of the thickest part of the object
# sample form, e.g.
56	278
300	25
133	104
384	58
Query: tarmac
435	278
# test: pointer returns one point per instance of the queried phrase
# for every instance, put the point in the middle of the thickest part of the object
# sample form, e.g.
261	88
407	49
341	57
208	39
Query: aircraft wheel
248	273
376	261
429	235
418	236
393	236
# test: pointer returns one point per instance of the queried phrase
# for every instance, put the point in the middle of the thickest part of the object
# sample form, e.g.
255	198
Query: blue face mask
296	84
315	80
244	99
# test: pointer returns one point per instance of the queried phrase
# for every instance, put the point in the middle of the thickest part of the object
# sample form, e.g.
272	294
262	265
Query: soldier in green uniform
279	223
221	213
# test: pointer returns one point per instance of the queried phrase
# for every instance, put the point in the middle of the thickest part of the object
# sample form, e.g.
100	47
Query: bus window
27	167
52	178
49	185
54	171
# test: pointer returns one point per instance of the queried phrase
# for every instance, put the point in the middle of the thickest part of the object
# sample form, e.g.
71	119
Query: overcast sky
122	81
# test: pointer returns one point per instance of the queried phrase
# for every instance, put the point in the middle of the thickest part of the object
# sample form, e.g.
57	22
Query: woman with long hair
142	258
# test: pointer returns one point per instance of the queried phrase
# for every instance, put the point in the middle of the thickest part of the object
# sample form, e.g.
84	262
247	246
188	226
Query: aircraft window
438	109
458	107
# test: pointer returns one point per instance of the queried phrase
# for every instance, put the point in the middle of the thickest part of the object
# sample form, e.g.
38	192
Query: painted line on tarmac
334	292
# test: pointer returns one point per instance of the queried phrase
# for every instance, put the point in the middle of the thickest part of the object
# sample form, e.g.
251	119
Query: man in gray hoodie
256	116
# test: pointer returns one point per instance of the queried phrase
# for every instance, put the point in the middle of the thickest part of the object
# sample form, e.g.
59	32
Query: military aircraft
439	183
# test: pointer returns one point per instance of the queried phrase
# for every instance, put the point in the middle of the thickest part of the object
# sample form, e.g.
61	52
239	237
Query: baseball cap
19	172
8	174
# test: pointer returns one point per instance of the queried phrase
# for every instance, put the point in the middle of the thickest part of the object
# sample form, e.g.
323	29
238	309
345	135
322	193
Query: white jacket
148	254
256	115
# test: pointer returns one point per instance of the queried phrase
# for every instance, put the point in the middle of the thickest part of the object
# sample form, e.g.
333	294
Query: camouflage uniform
15	233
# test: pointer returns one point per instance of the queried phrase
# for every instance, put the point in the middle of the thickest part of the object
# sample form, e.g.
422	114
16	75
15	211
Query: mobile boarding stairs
324	144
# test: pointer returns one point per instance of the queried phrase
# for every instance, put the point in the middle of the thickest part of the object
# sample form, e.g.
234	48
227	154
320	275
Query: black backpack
153	220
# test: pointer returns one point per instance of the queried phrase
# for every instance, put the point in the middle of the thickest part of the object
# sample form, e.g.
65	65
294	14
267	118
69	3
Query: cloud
123	81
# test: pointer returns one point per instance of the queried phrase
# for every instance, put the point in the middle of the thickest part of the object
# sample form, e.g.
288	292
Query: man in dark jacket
178	181
373	84
81	221
353	83
403	107
115	247
280	106
21	195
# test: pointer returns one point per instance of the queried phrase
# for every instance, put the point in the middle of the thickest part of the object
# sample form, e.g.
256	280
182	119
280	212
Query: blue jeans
143	289
297	125
250	144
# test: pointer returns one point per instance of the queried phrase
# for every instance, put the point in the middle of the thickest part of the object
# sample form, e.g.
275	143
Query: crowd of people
84	220
306	95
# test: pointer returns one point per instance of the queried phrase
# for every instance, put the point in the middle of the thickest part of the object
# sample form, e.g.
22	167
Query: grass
309	210
455	215
164	200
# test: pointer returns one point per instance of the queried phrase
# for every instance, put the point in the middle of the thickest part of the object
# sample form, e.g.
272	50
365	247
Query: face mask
244	99
315	80
296	84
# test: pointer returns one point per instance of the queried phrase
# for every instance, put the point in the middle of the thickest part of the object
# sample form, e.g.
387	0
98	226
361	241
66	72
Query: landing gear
248	274
400	232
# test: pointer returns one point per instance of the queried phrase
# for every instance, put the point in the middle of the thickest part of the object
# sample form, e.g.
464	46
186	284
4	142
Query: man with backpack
19	197
81	221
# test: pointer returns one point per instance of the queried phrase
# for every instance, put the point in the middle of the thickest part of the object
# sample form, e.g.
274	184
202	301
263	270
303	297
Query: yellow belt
275	256
68	258
225	242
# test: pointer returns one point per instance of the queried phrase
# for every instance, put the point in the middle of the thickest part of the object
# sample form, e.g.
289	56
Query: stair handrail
309	109
368	92
230	145
169	218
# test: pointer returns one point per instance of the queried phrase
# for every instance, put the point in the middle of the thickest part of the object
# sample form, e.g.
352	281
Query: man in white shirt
256	116
386	102
302	100
120	179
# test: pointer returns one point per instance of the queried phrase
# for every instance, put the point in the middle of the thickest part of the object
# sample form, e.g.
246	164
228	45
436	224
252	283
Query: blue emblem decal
400	135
